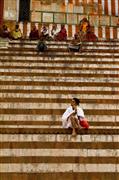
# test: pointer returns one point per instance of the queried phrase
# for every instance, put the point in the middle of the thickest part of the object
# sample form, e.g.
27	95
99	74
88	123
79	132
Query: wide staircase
35	90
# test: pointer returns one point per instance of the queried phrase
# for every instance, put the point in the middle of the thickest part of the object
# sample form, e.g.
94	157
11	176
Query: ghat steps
35	89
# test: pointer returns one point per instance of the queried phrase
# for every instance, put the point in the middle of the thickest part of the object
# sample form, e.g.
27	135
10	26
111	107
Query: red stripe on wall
106	7
113	7
99	6
100	32
114	32
107	29
1	11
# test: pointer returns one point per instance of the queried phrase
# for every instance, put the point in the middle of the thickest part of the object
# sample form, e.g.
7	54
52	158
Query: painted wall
102	14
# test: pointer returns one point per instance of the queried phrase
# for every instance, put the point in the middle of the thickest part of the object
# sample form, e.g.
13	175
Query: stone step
92	78
58	176
32	68
54	138
51	106
61	49
61	83
90	66
29	104
52	126
61	74
57	131
56	146
54	52
65	46
57	167
13	85
69	60
58	160
56	118
4	93
32	42
13	91
57	100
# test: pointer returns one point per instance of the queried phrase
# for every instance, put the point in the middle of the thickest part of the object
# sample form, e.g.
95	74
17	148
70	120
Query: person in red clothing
62	35
4	32
34	34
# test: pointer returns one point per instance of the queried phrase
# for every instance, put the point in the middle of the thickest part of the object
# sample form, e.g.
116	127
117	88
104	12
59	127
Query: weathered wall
102	14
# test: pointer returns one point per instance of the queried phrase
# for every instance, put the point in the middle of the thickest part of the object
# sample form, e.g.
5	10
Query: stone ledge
61	176
56	131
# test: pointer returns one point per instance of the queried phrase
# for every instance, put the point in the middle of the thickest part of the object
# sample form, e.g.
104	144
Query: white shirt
68	112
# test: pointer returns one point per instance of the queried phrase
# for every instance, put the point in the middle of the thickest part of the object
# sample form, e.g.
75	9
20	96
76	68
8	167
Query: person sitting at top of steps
4	32
34	34
16	33
74	117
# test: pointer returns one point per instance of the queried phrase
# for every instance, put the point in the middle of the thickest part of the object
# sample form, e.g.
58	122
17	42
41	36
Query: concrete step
64	145
14	86
84	138
59	73
59	83
62	49
57	66
61	59
32	42
65	46
56	118
32	140
37	68
57	131
29	104
52	126
54	52
65	175
92	78
4	93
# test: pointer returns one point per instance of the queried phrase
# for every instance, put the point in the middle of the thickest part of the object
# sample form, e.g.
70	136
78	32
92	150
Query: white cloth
66	123
54	33
44	31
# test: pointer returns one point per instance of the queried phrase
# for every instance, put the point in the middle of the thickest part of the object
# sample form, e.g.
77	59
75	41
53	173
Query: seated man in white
54	31
73	116
44	32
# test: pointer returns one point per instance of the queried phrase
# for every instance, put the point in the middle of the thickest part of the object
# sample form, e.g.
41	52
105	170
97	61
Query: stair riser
53	117
57	138
65	59
44	167
56	96
33	105
59	152
60	79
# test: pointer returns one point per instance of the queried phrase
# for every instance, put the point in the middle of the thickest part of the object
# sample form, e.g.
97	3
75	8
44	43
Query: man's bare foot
74	133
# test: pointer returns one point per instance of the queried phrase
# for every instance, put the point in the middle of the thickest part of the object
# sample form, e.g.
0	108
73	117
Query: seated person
44	33
4	32
16	33
54	32
74	46
41	46
62	35
85	33
34	34
74	117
